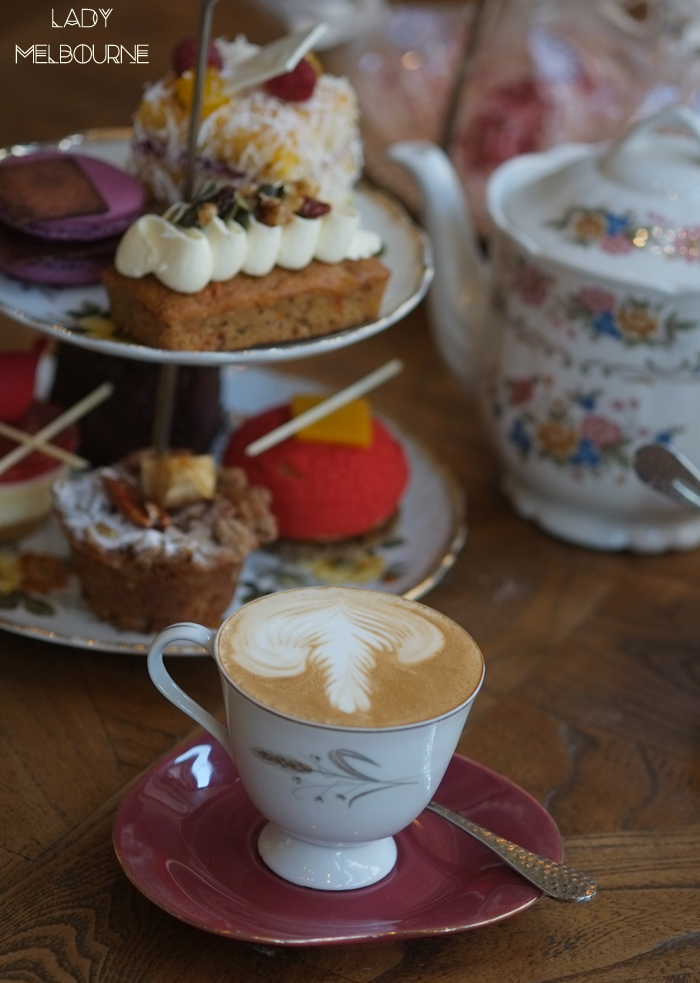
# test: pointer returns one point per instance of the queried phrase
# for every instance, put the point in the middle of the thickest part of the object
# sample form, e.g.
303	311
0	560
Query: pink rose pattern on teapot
631	320
585	429
582	430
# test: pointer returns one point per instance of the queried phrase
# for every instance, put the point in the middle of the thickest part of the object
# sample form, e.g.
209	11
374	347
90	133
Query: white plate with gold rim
410	559
57	311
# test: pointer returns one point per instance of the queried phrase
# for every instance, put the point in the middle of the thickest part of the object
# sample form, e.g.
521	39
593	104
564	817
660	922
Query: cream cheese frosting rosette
187	257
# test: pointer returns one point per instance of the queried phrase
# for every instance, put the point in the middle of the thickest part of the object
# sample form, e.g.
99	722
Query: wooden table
590	700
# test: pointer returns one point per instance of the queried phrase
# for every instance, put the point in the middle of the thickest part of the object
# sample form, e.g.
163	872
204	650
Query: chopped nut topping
313	208
206	212
272	211
127	498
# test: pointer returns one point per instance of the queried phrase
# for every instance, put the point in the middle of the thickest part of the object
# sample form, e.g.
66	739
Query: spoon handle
667	471
555	880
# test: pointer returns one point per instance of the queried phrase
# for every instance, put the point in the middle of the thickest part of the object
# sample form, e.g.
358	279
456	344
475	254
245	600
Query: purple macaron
54	262
67	197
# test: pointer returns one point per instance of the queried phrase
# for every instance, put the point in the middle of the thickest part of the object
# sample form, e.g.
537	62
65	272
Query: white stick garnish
328	406
86	404
275	59
51	450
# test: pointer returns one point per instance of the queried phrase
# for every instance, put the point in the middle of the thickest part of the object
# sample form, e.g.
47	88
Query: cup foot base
584	528
326	868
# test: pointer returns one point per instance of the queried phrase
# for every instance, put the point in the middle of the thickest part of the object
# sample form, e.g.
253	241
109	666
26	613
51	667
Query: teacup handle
199	635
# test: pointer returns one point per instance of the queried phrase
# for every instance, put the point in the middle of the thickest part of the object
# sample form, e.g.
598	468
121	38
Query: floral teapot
583	339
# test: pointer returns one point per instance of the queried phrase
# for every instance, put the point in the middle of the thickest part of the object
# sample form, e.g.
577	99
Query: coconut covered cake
267	133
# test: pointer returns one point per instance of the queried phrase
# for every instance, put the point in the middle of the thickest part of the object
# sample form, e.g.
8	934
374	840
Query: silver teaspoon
555	880
670	473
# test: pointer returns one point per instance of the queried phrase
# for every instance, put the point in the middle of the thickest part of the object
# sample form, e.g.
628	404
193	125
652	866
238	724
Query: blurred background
487	79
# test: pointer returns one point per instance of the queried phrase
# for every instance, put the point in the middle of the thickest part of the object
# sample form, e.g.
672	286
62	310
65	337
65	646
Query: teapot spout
458	297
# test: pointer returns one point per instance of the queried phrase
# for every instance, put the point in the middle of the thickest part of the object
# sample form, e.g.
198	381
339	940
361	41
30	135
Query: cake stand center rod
165	404
167	384
205	19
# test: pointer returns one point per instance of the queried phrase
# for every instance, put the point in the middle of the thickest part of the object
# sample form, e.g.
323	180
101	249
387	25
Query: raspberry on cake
156	540
323	490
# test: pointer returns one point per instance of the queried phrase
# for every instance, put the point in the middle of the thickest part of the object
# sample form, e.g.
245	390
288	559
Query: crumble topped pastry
143	566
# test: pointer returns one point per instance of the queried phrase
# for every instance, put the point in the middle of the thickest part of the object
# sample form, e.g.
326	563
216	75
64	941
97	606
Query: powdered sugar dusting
230	527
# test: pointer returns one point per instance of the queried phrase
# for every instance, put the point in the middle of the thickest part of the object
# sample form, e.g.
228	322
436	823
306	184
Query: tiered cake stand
430	529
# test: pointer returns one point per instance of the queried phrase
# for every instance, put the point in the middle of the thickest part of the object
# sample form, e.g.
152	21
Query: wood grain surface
591	700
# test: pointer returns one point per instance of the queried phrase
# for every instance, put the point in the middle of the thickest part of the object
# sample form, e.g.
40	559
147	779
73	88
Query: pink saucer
186	833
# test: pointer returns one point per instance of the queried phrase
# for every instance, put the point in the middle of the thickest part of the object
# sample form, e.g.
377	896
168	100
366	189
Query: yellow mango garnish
350	425
315	63
214	95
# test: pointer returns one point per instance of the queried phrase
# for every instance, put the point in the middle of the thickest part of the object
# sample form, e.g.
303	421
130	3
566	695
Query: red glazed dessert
323	491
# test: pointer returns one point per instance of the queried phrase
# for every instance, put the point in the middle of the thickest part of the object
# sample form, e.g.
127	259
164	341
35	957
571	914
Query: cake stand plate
57	311
409	558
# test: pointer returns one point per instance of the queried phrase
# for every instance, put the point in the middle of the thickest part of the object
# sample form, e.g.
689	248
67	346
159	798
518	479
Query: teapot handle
680	117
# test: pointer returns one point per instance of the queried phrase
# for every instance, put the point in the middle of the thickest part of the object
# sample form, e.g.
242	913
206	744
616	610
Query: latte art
340	634
346	656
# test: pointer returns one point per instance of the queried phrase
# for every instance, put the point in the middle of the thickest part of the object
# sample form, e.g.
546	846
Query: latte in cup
349	657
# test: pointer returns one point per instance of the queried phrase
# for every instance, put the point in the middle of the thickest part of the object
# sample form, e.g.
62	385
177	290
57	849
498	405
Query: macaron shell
123	194
56	263
323	491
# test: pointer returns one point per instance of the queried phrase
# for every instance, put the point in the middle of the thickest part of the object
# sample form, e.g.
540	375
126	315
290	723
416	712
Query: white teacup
333	795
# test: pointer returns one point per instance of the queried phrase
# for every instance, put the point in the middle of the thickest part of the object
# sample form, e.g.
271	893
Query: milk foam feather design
342	635
187	259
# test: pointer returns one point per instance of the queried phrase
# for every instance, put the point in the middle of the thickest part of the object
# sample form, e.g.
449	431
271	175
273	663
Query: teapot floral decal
618	233
580	430
632	320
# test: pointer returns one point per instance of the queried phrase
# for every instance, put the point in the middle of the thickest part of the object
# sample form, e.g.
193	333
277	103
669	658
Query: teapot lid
627	211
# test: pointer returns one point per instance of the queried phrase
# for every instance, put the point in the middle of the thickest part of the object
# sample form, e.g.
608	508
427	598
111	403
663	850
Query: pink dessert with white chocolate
25	487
